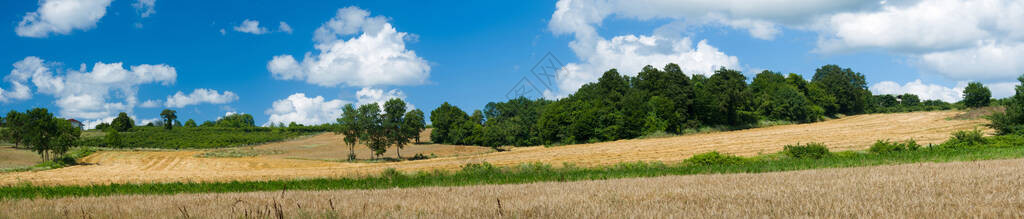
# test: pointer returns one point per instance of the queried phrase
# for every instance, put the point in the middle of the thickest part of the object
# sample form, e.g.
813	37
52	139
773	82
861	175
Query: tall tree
122	123
848	87
169	116
394	124
976	95
14	127
348	125
373	135
909	100
415	124
730	85
444	119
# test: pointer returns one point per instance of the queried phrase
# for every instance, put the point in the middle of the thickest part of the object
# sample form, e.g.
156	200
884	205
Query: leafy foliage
886	146
122	123
1011	121
977	95
169	116
714	158
807	151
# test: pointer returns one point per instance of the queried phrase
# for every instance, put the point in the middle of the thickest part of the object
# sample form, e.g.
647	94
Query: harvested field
985	189
854	132
14	158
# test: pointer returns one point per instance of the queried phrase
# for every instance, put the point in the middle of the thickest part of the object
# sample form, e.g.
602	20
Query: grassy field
15	158
848	133
925	190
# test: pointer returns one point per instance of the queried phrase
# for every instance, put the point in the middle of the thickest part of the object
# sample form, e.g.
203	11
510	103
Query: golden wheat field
983	189
302	159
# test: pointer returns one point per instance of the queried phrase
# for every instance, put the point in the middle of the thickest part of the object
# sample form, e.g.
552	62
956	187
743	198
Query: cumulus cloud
938	92
61	17
199	96
251	26
377	56
145	7
284	27
304	110
962	40
379	96
107	89
151	104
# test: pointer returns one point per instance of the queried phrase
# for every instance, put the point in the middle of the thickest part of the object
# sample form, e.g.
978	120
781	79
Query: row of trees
40	131
658	100
395	127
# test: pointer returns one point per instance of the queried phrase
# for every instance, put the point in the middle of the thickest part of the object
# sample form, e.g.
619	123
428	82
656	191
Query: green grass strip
478	174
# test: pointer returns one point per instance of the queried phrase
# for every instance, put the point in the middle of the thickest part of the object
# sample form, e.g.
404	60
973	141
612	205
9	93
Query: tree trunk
399	152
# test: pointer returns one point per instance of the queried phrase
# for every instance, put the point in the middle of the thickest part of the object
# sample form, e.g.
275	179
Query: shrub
886	146
965	138
415	157
714	158
809	151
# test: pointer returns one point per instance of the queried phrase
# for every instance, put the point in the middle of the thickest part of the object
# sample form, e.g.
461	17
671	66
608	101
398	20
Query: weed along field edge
922	190
294	161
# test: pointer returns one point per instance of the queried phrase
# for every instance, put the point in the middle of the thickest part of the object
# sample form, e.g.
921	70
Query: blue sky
466	53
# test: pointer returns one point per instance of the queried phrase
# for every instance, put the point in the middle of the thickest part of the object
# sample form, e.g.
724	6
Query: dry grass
330	146
14	158
983	189
854	132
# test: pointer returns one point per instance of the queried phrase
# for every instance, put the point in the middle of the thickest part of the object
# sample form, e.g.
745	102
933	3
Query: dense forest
667	101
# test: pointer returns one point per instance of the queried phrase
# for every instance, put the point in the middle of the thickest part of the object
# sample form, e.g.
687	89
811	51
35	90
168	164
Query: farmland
142	166
925	190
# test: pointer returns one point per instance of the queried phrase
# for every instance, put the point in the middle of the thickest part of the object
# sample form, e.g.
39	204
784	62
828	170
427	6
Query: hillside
854	132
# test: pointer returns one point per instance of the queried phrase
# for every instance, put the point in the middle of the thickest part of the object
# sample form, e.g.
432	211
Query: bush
714	158
886	146
415	157
965	138
809	151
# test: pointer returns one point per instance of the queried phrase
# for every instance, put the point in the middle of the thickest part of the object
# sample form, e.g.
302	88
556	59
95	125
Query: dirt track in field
984	189
854	132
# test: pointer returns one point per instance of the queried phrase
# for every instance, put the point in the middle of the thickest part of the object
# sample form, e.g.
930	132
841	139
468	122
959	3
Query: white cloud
284	27
199	96
963	40
223	32
61	17
304	110
370	95
145	7
251	26
988	61
151	104
958	39
377	56
938	92
87	95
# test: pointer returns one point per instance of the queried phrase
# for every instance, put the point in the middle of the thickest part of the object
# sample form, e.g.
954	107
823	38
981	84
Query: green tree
67	136
414	123
373	135
1011	121
976	95
348	125
909	100
394	124
191	123
444	119
730	87
122	123
238	120
113	139
847	87
14	128
169	116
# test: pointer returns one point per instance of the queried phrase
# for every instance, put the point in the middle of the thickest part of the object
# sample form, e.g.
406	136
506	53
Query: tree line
668	101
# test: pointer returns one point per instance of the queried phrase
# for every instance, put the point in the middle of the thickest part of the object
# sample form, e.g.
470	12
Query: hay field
984	189
14	158
854	132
